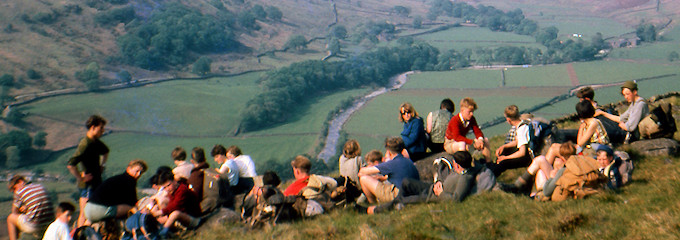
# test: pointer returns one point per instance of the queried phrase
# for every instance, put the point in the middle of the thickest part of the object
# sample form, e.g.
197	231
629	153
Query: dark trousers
498	168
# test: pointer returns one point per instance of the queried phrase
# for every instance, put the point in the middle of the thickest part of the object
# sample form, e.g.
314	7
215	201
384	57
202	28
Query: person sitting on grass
182	169
183	205
195	180
227	166
59	230
436	125
246	169
301	167
350	161
373	158
515	153
116	195
542	173
396	167
413	133
591	134
31	210
458	128
637	110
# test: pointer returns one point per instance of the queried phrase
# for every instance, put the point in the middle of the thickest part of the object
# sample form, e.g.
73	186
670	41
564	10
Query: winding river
329	149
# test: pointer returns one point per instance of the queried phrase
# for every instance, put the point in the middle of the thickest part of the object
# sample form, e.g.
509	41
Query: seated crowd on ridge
577	163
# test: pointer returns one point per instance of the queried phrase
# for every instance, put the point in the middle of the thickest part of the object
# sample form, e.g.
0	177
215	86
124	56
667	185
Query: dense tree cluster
286	88
484	16
646	32
169	36
89	76
373	30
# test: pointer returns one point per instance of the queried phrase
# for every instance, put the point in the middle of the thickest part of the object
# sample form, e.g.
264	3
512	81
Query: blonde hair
409	109
468	103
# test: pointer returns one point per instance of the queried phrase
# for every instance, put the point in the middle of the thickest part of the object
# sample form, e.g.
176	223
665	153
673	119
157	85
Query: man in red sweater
458	128
301	167
183	205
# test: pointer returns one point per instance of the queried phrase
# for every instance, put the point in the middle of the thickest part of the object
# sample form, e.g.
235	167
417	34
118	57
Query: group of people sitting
383	181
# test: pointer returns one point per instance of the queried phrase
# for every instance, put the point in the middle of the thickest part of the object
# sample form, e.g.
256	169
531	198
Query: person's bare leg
368	186
552	153
12	229
81	216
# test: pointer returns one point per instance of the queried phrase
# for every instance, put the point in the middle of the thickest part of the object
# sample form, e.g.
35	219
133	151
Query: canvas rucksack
216	191
580	179
267	206
626	166
660	123
538	131
330	192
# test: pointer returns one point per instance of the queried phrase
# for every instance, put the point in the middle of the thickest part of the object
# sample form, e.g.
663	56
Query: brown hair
394	144
234	150
14	181
468	103
351	149
567	149
408	108
302	163
374	156
178	154
512	112
586	92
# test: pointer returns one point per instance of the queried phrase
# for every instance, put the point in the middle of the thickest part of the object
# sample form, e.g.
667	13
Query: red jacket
183	200
457	131
296	186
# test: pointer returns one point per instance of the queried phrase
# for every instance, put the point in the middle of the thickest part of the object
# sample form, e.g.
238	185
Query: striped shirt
36	204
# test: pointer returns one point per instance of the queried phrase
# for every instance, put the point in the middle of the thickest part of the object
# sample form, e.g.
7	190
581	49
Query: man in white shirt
227	166
246	168
515	153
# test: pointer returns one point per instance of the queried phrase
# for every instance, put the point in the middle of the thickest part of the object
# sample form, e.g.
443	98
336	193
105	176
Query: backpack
330	192
141	226
216	191
538	131
660	123
443	168
580	179
626	166
268	205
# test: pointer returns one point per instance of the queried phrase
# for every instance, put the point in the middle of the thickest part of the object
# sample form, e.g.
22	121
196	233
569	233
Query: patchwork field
461	38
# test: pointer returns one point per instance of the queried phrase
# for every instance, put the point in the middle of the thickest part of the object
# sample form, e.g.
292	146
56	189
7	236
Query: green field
461	38
148	122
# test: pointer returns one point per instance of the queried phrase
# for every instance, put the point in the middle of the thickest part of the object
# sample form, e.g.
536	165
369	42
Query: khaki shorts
26	226
386	192
451	146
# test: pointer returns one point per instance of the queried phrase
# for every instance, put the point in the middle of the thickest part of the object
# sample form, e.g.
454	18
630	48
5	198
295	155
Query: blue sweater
414	136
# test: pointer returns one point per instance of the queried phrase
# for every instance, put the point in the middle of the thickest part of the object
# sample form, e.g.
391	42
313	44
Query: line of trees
286	88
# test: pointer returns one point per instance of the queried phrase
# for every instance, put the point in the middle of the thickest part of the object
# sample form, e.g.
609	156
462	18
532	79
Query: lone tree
40	139
89	76
297	42
202	66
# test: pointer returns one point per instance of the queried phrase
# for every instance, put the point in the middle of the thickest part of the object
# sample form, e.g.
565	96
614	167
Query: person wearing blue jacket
413	134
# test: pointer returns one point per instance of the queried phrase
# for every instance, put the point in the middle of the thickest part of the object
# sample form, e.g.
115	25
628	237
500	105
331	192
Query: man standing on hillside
92	154
637	110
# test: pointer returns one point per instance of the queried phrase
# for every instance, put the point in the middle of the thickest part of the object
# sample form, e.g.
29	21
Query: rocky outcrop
656	147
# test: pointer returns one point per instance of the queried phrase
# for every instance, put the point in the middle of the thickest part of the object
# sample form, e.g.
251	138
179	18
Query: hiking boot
508	188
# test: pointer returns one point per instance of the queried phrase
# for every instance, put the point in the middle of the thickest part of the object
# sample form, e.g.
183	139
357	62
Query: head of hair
302	163
95	121
567	149
65	206
606	149
468	103
138	162
351	149
586	92
218	150
448	105
162	169
85	233
163	178
585	109
408	108
198	155
394	144
178	154
512	112
234	150
463	158
15	180
271	178
374	156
